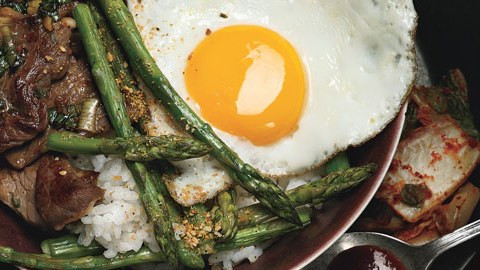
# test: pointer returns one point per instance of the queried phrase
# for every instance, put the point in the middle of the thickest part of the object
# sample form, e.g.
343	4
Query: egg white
358	56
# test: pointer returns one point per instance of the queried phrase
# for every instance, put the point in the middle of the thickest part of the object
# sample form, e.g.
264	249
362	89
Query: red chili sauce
366	258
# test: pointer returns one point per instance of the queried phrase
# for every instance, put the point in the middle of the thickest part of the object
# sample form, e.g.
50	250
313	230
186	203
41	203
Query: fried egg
285	83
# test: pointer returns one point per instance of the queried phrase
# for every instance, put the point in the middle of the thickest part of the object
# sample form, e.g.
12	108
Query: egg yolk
248	81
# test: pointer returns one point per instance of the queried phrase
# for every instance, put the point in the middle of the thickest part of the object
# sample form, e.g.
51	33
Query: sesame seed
109	57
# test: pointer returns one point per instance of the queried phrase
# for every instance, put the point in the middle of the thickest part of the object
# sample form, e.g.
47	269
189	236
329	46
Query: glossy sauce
366	258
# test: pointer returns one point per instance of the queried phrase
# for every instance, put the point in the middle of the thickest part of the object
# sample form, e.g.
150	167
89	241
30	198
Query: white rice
119	222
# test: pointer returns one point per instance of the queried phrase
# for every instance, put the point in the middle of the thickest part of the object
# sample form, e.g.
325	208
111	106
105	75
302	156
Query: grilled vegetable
152	200
67	247
314	192
187	256
264	189
263	232
36	261
245	237
139	113
251	218
135	148
226	213
135	98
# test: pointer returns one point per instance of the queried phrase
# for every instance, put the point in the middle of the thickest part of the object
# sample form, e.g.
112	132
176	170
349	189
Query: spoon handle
455	238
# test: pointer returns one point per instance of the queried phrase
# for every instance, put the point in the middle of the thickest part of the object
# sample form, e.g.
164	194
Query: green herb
66	120
413	194
20	59
19	6
41	93
4	66
50	8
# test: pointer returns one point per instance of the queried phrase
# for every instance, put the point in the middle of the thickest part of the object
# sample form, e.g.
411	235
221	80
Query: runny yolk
248	81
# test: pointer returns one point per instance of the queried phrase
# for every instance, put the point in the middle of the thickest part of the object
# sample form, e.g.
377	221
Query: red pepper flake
435	157
408	168
208	32
451	145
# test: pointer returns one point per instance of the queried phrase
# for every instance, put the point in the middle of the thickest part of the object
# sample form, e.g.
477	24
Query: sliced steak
17	190
22	156
63	193
47	59
75	87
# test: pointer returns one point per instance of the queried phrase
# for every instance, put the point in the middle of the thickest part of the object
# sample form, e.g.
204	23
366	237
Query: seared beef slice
23	92
17	190
64	193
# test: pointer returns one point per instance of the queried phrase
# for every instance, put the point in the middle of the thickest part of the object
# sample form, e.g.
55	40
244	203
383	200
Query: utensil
414	257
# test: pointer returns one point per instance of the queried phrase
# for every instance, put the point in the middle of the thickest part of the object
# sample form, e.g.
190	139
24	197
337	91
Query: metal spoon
414	257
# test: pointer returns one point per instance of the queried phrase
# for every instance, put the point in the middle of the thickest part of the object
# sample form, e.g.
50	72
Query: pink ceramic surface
292	251
297	249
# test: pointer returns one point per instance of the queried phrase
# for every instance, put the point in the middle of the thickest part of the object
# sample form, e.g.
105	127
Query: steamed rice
119	222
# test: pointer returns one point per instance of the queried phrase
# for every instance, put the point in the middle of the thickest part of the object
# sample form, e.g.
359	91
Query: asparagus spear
187	256
153	202
245	237
226	213
67	247
197	218
264	189
136	105
138	148
263	232
126	82
37	261
312	193
250	216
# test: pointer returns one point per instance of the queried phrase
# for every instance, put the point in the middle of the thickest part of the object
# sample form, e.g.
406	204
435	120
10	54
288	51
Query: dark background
448	36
